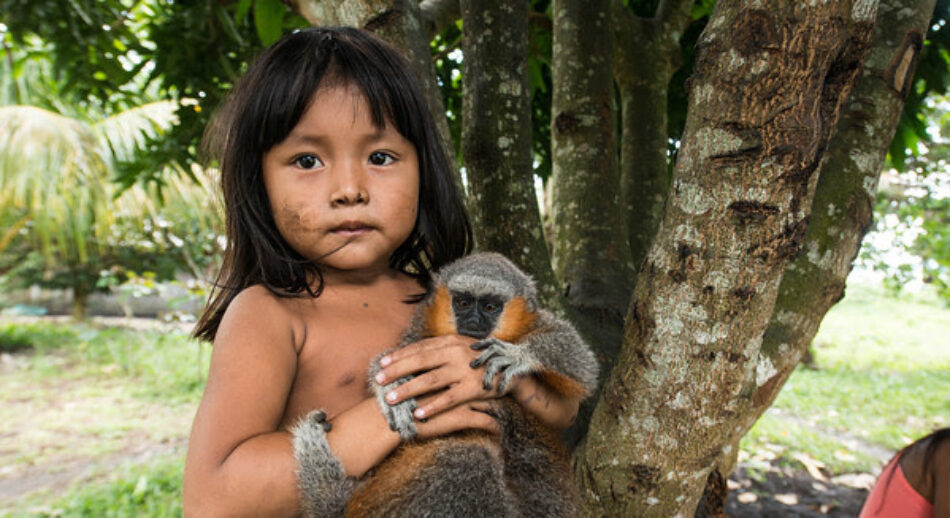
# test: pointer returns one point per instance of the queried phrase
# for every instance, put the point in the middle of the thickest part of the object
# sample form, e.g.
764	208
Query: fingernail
380	377
391	396
385	360
420	413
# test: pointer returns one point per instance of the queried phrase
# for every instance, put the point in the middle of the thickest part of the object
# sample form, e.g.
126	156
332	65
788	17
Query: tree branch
673	15
496	137
438	14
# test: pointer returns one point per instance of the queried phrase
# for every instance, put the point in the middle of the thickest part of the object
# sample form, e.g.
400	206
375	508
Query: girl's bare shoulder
256	309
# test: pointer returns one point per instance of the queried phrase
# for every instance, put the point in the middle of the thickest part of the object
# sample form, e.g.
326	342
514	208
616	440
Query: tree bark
398	22
844	201
647	54
496	136
769	84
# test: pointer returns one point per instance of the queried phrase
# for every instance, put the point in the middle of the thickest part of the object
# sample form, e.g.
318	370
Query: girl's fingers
455	395
428	354
423	346
462	417
426	344
419	386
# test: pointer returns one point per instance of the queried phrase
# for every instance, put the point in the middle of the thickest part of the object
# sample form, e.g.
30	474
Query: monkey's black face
476	316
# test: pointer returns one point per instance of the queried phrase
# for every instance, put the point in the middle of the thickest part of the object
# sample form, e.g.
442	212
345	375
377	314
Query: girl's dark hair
266	105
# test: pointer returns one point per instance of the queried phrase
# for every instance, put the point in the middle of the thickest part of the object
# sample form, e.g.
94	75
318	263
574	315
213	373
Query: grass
150	490
882	380
166	365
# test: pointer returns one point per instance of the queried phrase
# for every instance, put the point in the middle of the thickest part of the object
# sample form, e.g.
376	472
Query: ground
783	491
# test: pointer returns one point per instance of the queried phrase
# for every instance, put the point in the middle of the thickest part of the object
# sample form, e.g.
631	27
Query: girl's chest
333	364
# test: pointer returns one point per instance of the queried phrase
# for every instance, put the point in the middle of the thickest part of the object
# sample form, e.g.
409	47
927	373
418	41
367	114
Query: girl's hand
441	363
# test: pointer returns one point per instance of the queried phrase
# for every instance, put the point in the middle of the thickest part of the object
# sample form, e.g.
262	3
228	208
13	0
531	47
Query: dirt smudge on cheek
295	220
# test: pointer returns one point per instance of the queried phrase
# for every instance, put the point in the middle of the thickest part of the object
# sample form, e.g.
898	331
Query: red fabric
899	498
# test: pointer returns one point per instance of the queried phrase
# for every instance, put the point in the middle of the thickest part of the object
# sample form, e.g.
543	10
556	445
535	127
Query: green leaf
241	13
268	20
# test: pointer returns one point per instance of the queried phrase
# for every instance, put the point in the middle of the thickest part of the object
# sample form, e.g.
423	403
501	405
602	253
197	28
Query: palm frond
126	132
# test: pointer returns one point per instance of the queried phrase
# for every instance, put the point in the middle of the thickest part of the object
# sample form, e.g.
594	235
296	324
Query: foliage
72	222
146	49
196	49
911	240
932	79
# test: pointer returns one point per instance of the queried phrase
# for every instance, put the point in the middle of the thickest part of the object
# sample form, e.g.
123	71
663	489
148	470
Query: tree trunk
844	201
770	80
591	256
80	302
399	22
647	51
496	136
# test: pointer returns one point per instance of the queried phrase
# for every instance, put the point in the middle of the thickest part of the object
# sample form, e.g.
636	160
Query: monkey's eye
491	306
462	302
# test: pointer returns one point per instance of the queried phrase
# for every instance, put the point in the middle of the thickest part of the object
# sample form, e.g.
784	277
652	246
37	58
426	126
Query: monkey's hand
398	415
506	359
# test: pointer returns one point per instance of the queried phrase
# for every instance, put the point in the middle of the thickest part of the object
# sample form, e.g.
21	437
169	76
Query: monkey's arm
552	349
398	415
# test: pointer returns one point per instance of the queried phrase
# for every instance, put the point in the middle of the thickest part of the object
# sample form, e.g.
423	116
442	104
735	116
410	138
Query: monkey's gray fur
323	484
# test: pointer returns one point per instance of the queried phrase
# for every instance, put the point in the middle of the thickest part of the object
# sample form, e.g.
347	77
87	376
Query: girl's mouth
351	229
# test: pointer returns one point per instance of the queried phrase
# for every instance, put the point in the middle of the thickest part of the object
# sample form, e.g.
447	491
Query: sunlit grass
882	380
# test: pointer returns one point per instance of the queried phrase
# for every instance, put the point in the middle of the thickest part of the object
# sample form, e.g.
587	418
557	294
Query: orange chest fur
514	322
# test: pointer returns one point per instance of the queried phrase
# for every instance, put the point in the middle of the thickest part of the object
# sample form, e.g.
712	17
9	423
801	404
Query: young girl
915	483
339	202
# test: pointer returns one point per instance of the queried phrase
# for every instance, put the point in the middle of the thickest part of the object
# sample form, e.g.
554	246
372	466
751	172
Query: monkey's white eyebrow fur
481	285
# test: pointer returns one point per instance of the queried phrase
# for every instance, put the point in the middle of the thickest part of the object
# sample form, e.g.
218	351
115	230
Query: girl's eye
380	158
307	162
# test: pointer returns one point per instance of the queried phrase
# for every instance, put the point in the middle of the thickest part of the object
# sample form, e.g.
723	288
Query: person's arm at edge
239	463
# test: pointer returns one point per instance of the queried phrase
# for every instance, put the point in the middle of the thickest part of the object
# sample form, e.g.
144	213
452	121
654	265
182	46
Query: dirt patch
783	491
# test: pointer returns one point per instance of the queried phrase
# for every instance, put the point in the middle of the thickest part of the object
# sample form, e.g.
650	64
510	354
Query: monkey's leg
458	477
537	468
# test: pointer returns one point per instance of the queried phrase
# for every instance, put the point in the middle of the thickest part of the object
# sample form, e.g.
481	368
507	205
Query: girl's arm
239	462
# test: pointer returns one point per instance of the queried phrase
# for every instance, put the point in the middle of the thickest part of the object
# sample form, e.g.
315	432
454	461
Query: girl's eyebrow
318	139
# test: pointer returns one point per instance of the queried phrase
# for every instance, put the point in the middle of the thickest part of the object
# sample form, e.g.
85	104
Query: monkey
523	471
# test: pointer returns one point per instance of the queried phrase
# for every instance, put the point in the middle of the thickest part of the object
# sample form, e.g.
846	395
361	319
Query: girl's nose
349	189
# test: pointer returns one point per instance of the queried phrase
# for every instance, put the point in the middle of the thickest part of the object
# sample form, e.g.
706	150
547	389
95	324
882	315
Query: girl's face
344	193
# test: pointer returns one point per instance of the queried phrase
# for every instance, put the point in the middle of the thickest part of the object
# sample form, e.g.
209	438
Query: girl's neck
358	280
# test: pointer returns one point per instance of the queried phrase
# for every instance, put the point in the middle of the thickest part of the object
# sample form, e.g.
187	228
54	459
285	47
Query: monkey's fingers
492	350
498	365
484	344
